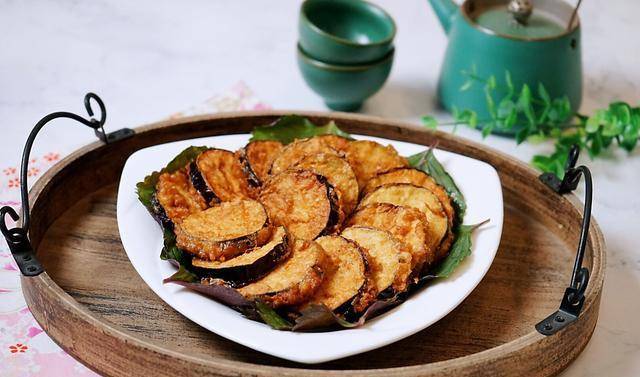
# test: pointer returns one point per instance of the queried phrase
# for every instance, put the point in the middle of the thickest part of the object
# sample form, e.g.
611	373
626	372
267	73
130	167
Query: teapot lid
522	19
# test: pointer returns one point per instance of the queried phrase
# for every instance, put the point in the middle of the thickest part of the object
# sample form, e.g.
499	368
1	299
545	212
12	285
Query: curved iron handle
573	298
17	237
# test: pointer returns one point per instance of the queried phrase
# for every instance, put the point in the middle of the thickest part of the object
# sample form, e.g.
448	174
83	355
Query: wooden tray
93	304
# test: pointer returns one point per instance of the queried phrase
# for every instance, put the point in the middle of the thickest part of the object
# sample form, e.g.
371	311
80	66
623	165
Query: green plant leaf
487	129
460	249
427	162
544	95
429	122
491	82
271	317
147	188
522	135
466	86
291	127
510	88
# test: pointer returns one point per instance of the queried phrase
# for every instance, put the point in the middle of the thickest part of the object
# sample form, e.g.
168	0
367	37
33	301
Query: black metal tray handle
18	240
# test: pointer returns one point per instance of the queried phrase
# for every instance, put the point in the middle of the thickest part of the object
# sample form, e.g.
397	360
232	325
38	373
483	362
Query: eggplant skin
160	214
256	159
336	214
224	231
219	177
407	225
198	182
303	202
294	281
419	178
175	198
348	284
240	275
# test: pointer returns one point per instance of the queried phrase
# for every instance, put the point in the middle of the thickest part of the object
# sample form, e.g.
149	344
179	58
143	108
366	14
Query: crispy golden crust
339	174
348	277
296	151
303	202
408	195
336	142
419	178
247	267
223	175
390	260
406	224
294	281
177	196
368	159
224	231
257	157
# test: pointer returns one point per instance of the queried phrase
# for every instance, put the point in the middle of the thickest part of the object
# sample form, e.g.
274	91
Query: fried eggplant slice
175	198
303	202
292	282
256	159
339	174
368	159
348	279
296	151
225	230
419	178
218	176
408	195
407	225
390	260
336	142
248	267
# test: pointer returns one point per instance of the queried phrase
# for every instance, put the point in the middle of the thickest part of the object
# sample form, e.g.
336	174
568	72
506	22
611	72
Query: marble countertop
147	59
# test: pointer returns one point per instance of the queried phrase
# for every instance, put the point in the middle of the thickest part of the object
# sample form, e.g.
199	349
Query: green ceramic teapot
534	42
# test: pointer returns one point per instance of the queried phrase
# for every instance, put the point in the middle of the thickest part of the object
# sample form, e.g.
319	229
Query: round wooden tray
93	304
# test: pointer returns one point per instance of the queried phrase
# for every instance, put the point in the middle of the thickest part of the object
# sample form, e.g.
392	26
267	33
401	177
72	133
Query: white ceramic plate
142	239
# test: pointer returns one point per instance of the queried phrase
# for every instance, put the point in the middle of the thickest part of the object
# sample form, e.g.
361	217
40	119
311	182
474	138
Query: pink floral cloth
25	350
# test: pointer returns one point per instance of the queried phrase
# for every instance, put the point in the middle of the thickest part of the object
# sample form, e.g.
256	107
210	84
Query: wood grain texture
93	303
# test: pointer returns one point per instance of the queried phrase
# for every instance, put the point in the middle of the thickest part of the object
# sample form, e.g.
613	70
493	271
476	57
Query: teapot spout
445	11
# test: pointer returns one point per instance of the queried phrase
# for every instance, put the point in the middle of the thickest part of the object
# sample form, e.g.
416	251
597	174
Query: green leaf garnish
292	127
271	317
427	162
460	249
147	188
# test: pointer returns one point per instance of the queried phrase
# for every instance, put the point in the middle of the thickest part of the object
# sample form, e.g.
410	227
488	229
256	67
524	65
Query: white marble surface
148	59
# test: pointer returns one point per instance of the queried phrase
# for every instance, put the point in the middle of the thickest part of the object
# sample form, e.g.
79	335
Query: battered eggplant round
256	159
407	225
408	195
247	267
390	260
368	159
217	174
339	174
303	202
336	142
293	281
176	198
348	283
296	151
419	178
224	231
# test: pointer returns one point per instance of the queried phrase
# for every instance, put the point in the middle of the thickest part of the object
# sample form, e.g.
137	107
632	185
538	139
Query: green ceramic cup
345	31
344	87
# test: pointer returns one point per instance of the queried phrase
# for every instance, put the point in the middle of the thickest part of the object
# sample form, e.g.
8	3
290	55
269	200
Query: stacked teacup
345	50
